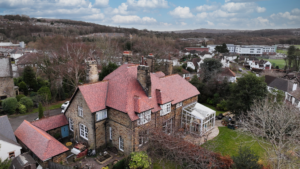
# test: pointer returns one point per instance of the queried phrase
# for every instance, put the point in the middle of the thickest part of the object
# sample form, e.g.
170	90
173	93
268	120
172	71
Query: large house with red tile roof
120	110
42	146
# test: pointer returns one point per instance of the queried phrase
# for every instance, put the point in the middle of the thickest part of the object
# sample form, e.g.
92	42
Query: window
80	111
11	154
145	117
100	115
167	126
110	133
143	137
166	108
83	131
121	143
178	104
71	124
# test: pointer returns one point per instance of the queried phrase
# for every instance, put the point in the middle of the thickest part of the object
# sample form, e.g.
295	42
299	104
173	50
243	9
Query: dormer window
144	117
165	109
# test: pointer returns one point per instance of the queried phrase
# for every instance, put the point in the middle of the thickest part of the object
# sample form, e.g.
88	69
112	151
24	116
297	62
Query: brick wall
87	119
100	133
7	87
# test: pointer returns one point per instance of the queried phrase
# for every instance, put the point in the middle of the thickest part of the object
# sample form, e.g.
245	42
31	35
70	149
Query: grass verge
281	51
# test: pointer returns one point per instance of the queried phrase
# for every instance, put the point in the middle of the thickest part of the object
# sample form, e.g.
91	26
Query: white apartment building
247	49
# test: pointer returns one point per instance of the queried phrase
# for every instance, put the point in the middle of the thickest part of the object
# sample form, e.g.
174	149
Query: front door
64	131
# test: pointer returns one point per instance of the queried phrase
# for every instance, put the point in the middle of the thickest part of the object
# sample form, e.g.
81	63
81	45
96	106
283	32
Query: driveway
16	121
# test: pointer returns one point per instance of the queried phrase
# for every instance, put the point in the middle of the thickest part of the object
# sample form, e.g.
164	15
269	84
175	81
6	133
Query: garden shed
197	119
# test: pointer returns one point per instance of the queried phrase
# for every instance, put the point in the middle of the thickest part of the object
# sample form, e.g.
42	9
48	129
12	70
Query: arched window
121	143
83	131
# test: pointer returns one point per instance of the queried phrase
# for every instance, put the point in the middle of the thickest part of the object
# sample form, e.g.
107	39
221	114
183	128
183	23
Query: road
16	121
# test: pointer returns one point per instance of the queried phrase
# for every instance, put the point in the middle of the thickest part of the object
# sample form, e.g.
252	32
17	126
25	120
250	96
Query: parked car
240	69
63	110
65	104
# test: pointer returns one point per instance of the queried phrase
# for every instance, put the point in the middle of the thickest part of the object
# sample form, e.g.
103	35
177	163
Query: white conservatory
197	119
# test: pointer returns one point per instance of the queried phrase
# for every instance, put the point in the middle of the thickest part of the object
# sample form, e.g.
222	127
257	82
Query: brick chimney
126	58
92	71
143	77
169	67
150	62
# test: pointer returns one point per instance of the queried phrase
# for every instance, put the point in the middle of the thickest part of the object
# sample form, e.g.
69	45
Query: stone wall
100	133
59	158
121	127
53	131
87	119
7	87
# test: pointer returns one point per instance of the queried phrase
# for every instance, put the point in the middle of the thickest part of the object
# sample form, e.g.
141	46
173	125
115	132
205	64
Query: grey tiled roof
278	83
5	67
22	161
6	129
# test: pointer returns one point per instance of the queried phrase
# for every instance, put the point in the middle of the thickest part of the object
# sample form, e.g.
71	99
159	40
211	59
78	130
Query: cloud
182	23
285	15
182	12
165	24
296	11
204	8
222	14
99	16
100	3
260	9
148	3
202	15
122	9
132	19
210	23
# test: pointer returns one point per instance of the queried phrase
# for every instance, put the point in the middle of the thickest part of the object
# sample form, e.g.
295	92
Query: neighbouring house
227	60
287	86
199	49
258	64
121	109
40	145
6	79
9	147
56	126
228	74
23	161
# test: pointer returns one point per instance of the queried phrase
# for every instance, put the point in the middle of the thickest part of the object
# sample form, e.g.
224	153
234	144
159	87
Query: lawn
228	142
277	62
283	51
297	46
214	108
51	107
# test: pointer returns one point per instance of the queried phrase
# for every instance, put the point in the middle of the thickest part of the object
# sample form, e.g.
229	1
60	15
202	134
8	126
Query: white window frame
143	137
144	117
168	125
179	105
80	111
165	109
83	131
110	133
121	143
71	124
100	115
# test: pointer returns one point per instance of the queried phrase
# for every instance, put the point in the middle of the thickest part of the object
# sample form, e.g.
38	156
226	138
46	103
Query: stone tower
92	75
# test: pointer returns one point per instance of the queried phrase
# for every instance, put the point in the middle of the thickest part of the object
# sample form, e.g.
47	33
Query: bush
41	111
27	102
20	96
56	135
10	105
121	164
222	105
23	87
246	159
22	108
32	94
139	160
45	93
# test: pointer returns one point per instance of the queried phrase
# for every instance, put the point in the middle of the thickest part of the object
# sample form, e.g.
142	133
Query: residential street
16	121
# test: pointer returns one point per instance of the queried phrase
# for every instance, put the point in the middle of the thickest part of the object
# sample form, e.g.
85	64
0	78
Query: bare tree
275	126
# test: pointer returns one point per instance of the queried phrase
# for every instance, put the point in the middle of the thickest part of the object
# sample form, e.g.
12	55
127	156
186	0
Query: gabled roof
6	129
162	97
227	72
278	83
51	122
123	87
43	145
8	140
160	74
95	95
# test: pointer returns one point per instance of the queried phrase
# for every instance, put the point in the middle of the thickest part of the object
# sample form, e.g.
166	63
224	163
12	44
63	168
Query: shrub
121	164
32	94
22	108
41	111
45	93
222	105
20	96
23	87
139	160
27	102
10	105
246	159
56	135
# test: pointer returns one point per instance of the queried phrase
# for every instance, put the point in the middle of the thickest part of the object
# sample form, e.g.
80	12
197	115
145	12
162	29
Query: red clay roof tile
51	122
43	145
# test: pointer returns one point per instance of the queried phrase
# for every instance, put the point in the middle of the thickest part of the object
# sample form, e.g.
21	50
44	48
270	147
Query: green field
277	62
281	51
228	142
297	46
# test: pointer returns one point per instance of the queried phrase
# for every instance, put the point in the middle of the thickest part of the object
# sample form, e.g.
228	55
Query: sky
165	15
